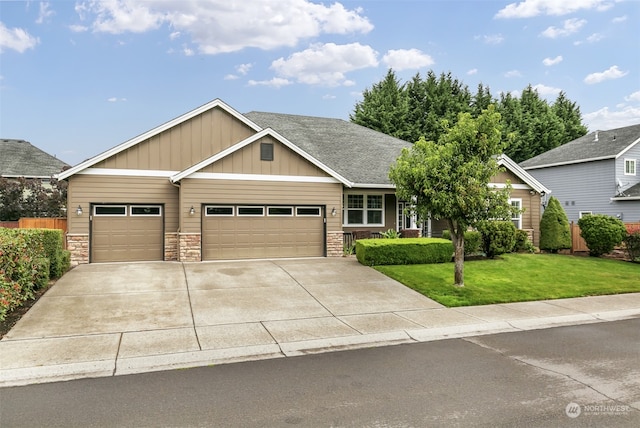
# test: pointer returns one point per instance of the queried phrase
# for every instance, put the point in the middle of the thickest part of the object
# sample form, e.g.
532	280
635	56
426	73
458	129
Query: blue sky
77	78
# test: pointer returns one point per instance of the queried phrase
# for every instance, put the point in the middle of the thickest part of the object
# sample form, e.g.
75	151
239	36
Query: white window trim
345	210
145	206
309	215
95	209
279	215
519	216
250	215
630	162
584	213
233	211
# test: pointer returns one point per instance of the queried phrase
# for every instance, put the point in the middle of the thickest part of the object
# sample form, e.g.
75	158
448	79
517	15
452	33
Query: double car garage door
129	232
262	231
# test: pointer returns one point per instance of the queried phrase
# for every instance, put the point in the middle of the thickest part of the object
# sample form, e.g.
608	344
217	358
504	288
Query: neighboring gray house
597	173
19	158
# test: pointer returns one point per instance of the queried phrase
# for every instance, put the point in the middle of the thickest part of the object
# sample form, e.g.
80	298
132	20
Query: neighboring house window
364	209
584	213
629	167
516	204
266	151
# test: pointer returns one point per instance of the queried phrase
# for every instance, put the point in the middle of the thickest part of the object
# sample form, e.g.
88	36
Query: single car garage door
122	233
262	231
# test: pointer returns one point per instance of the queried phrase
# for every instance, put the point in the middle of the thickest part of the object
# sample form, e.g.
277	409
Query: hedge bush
632	245
601	233
523	243
406	251
498	237
26	264
472	241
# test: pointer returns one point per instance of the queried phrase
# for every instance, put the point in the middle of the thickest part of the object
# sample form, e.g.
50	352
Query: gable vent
266	151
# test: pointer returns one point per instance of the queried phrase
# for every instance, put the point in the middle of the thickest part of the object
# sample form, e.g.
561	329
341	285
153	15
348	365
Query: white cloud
326	64
231	77
619	19
328	97
44	13
276	82
472	72
552	61
531	8
491	39
219	26
121	16
174	35
116	99
595	37
407	59
635	97
605	119
76	28
187	51
16	39
611	73
569	27
243	68
546	90
512	73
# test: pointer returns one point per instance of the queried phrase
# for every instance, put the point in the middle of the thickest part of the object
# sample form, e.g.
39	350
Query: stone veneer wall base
189	247
335	243
78	246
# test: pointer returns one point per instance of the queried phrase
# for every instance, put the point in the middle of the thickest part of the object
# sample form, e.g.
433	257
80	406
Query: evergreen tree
555	232
569	114
384	107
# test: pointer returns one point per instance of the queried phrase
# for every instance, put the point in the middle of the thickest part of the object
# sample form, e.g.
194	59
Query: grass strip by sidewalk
519	278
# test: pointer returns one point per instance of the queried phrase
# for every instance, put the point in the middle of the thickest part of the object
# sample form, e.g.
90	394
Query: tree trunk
457	238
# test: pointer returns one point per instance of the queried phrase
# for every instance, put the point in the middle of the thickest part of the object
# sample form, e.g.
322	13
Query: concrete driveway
122	318
130	312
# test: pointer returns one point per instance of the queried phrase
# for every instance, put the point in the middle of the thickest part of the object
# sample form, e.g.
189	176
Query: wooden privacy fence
39	223
577	242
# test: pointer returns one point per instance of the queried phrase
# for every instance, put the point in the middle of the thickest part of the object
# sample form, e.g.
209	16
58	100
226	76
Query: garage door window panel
308	211
251	211
148	211
280	211
110	210
219	210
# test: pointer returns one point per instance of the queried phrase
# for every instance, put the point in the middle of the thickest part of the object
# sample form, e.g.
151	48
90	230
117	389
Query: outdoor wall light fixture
79	210
192	211
333	211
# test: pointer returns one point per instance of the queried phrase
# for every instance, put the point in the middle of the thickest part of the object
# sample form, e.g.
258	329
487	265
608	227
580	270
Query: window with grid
363	209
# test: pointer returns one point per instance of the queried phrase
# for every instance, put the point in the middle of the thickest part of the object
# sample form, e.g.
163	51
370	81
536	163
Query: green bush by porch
406	251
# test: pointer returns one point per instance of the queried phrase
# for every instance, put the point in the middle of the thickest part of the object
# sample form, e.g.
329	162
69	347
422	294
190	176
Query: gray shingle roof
19	158
359	154
608	145
631	192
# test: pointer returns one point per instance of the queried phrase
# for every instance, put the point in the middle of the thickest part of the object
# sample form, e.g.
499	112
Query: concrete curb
144	364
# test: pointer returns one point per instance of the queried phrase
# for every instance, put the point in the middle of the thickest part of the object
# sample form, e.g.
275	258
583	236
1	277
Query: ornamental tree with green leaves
450	179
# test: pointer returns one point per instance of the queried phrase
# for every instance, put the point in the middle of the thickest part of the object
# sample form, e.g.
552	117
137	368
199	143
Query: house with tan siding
214	184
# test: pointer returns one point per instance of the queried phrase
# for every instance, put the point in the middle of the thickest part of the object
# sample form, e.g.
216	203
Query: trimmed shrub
523	243
472	241
555	232
52	243
601	233
373	252
21	268
632	245
498	237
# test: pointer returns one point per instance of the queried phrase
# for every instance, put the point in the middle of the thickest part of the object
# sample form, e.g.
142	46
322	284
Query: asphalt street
578	376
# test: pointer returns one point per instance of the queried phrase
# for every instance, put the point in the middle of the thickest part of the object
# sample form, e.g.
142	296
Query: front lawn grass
519	278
